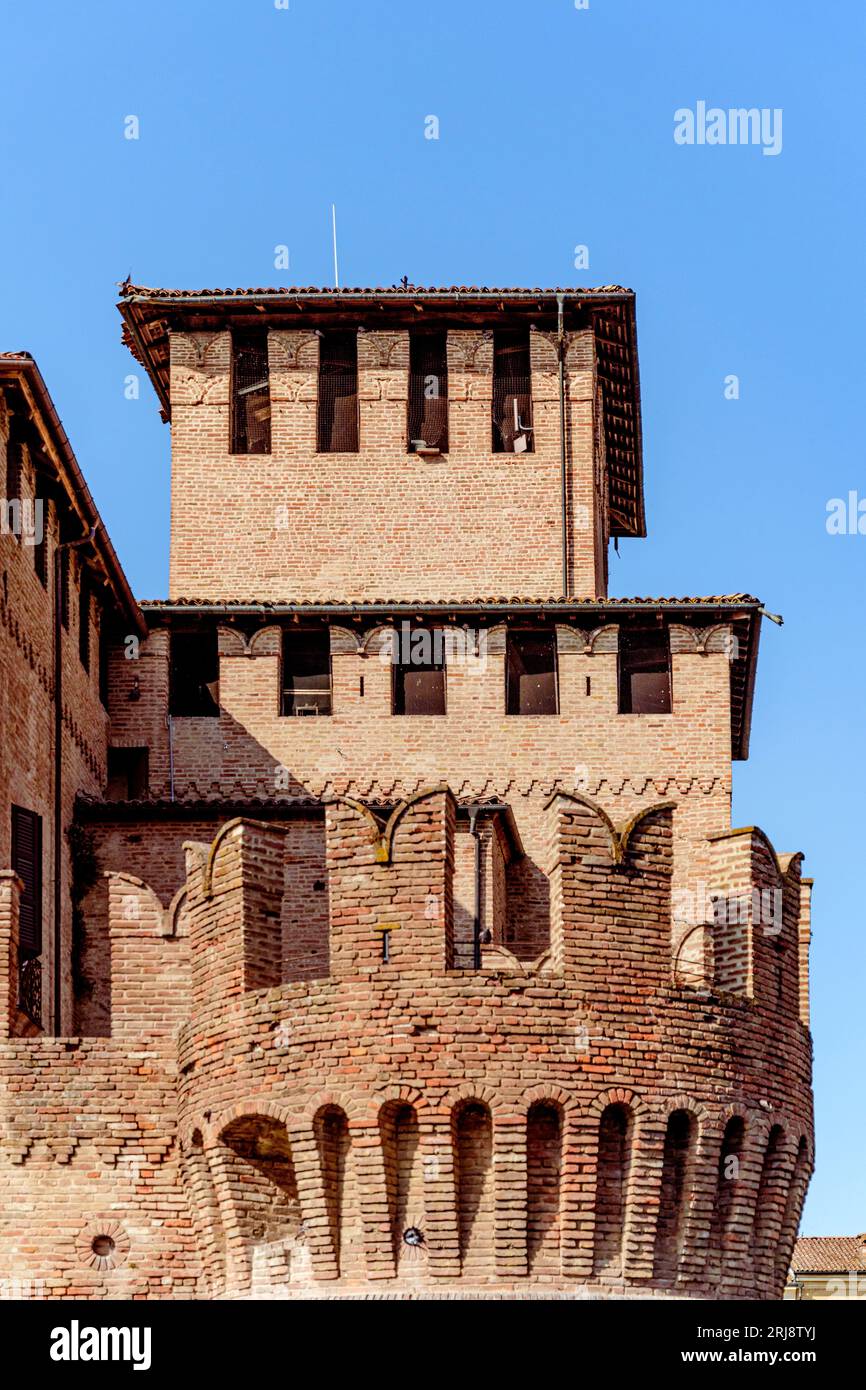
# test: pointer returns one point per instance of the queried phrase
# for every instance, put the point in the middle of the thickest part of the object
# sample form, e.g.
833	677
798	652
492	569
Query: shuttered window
337	411
512	393
428	391
251	394
27	863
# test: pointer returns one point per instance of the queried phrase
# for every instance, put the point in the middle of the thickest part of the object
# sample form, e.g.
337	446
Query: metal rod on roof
334	227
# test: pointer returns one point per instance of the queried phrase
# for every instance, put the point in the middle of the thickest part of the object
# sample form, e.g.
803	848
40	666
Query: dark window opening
40	549
337	411
127	774
531	683
64	588
428	391
14	468
419	672
251	394
194	674
102	641
306	683
84	620
644	670
512	393
27	863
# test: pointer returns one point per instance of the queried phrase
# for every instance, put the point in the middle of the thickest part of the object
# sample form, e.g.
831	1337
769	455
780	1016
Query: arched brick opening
404	1181
677	1161
615	1136
263	1196
338	1161
472	1137
543	1186
769	1206
791	1218
727	1180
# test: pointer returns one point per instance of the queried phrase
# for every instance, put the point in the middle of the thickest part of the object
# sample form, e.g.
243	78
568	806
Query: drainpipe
58	772
561	344
169	723
476	919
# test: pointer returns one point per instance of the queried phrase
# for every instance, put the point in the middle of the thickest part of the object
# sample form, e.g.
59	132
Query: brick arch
469	1092
354	1107
397	1094
620	835
618	1095
346	641
696	937
382	836
173	921
783	863
118	876
222	834
268	1109
231	641
550	1095
364	645
259	637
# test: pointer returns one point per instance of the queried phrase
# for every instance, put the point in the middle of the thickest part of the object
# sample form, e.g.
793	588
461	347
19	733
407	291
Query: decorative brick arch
617	1095
231	641
345	641
365	645
268	1109
217	842
173	922
467	1093
354	1107
382	835
548	1095
619	836
272	632
396	1094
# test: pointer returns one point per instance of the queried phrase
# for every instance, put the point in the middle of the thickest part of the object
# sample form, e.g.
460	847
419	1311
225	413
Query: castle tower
421	877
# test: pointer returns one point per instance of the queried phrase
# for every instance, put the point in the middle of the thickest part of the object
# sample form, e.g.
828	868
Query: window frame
244	340
330	336
287	635
503	338
400	668
625	700
513	635
175	635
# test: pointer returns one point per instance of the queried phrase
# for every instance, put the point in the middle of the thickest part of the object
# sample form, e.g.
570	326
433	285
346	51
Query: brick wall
265	526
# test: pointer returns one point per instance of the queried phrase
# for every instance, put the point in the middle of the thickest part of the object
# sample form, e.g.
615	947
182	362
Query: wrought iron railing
30	989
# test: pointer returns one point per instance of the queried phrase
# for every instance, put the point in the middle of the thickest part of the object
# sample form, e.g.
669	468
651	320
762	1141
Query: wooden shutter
27	863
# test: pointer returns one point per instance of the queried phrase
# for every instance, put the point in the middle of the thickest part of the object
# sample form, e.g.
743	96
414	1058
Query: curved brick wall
581	1124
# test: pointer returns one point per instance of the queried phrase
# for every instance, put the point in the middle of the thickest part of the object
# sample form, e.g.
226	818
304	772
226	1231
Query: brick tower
411	948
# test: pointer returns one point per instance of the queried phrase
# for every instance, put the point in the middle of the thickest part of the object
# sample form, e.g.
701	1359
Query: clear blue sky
556	129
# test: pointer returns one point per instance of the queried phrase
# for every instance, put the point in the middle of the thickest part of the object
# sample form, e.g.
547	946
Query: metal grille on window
337	413
428	391
306	673
251	394
512	393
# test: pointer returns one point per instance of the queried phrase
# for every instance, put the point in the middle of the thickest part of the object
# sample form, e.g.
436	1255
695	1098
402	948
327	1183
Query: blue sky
556	130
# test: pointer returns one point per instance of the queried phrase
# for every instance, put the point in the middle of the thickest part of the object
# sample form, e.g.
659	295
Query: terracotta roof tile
829	1254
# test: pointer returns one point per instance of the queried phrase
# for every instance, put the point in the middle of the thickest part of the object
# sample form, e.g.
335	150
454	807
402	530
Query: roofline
138	294
22	367
733	602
